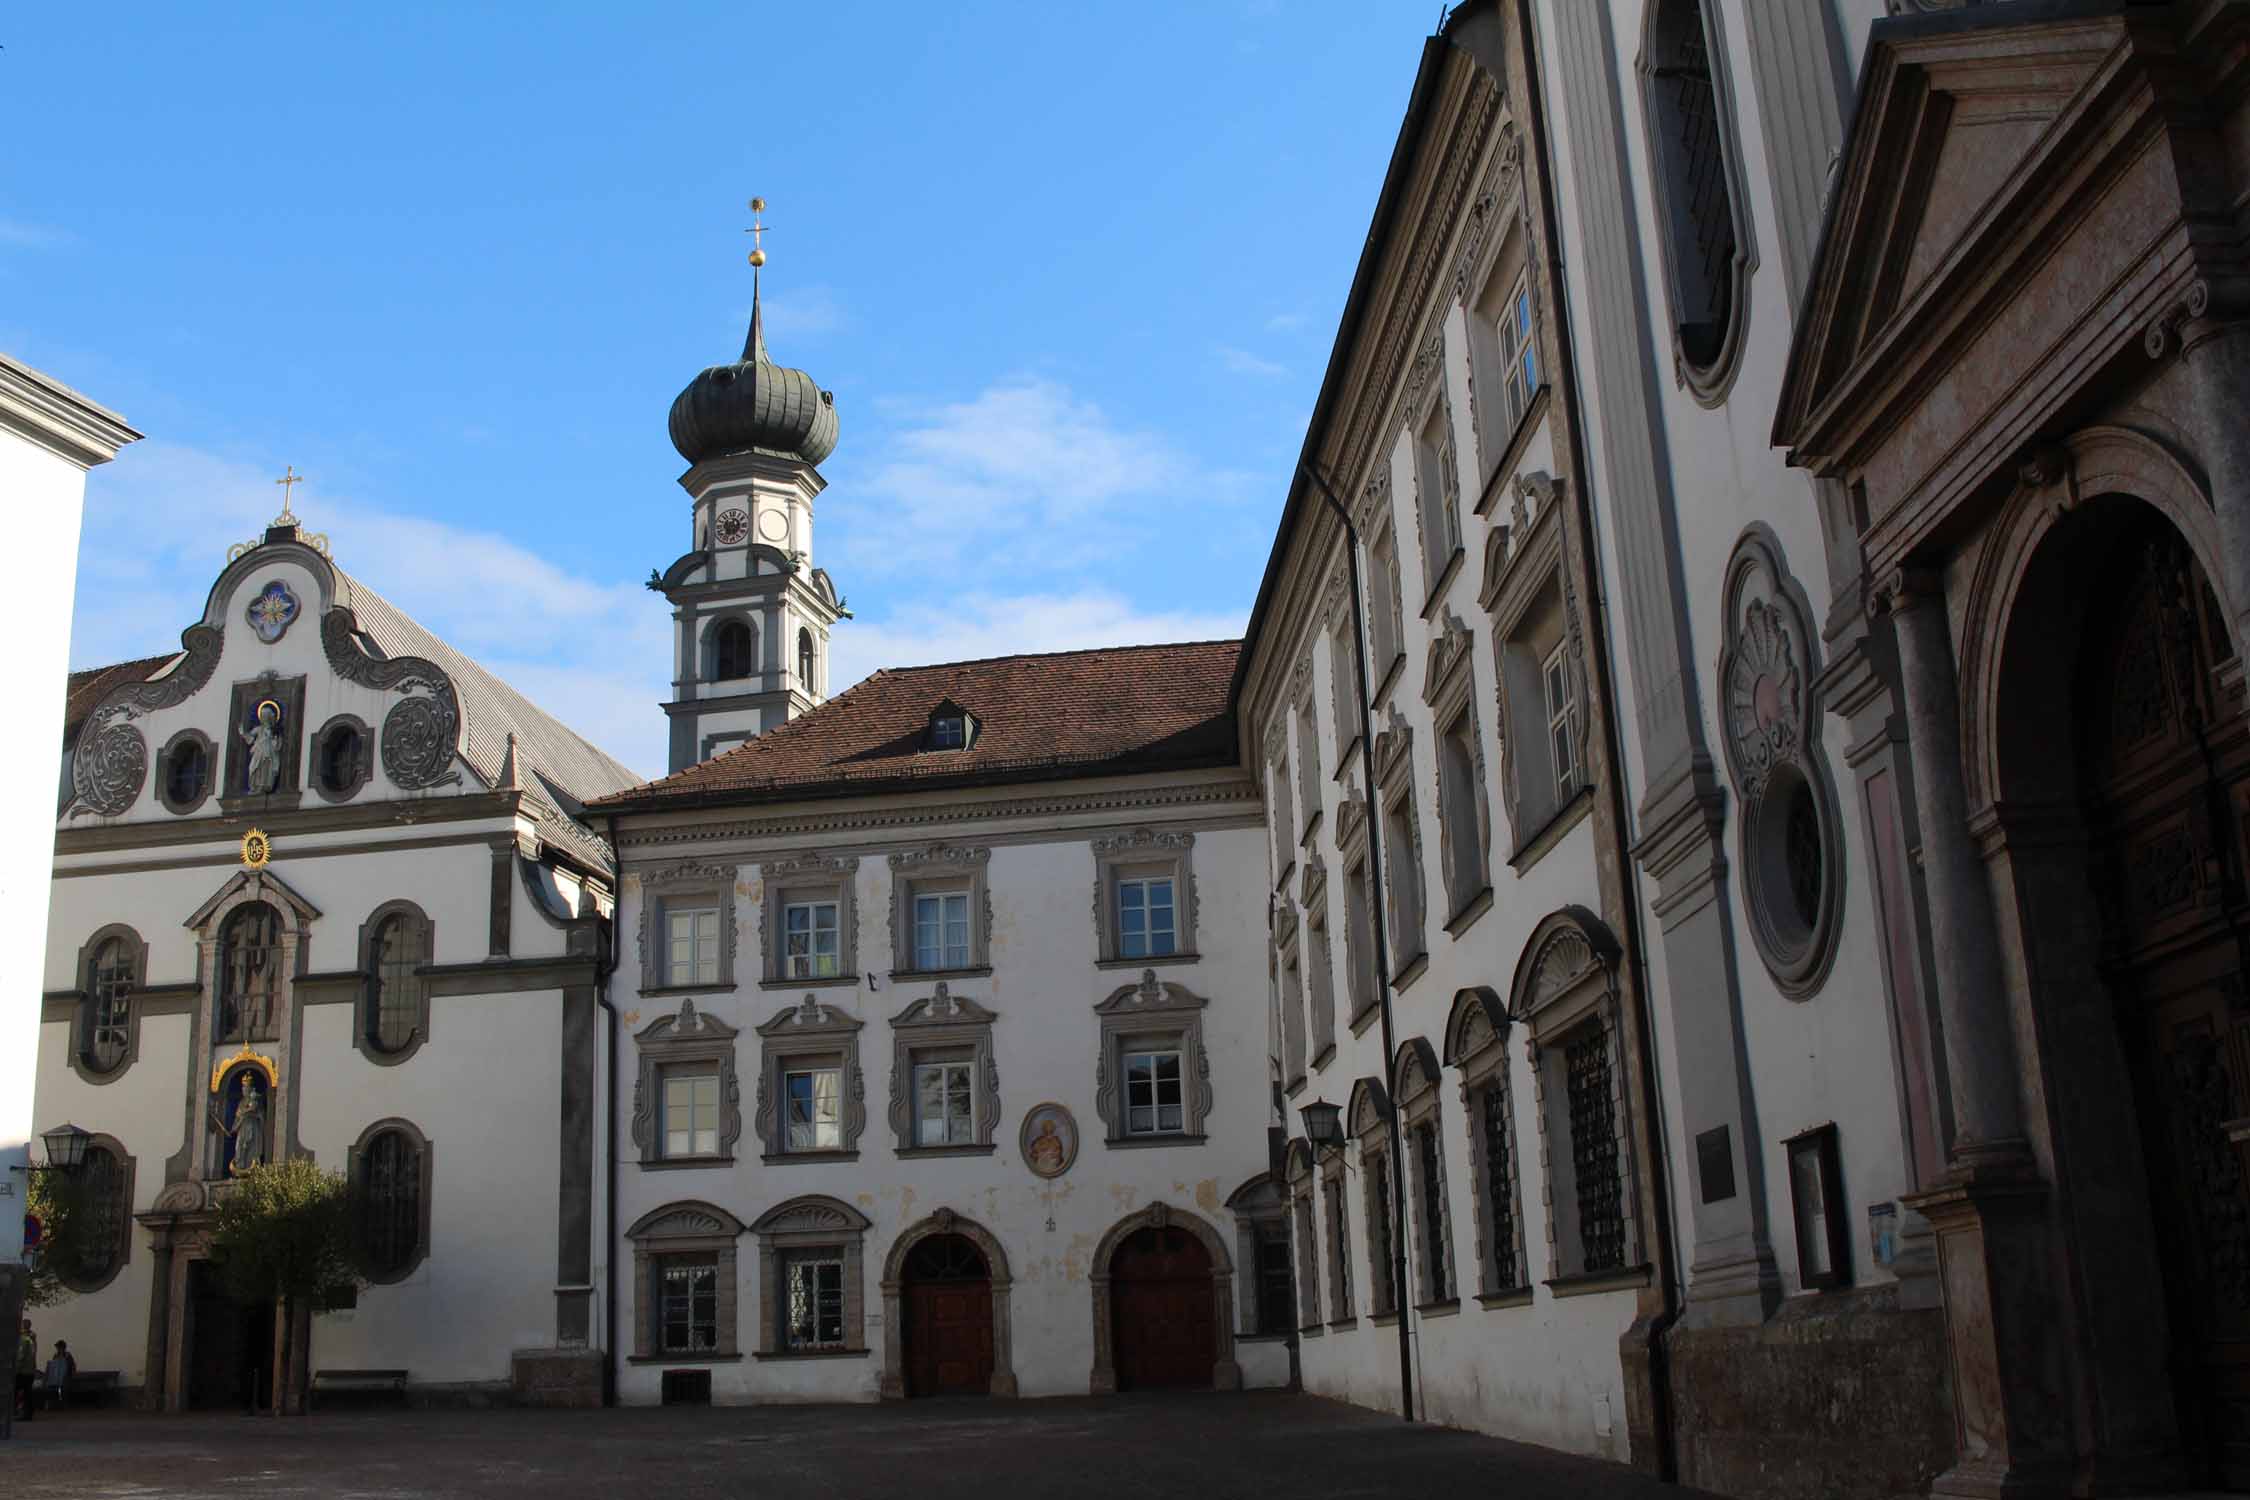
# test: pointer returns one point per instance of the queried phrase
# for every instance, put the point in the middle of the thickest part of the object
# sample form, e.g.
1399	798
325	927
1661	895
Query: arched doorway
1163	1331
2163	786
946	1296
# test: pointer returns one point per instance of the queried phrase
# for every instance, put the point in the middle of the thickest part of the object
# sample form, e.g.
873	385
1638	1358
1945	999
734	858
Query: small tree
67	1221
284	1233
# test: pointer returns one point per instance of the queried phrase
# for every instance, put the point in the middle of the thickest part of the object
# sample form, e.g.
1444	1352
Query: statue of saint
248	1131
264	741
1046	1151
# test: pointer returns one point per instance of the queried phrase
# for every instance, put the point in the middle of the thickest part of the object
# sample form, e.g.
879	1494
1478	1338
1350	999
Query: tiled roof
88	688
1114	710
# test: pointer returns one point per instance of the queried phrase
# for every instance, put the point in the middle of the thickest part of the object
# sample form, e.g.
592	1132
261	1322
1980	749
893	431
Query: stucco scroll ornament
421	731
2171	328
110	764
1765	695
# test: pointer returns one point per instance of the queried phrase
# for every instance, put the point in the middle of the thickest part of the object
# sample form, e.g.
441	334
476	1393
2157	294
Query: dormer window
952	727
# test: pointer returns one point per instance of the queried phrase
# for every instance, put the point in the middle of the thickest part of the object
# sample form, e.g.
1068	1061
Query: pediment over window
811	1214
1567	949
944	1008
1393	743
1369	1109
1150	996
1479	1019
1944	200
686	1220
689	1025
1414	1069
1312	883
1448	653
262	885
810	1018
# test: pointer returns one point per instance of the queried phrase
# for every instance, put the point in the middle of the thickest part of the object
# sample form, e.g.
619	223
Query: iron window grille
813	1292
688	1304
1593	1149
1499	1193
110	1014
390	1190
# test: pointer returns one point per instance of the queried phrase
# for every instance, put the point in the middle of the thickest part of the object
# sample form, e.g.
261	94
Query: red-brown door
1162	1330
948	1310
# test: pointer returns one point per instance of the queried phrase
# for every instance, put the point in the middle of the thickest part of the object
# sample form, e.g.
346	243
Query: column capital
1904	588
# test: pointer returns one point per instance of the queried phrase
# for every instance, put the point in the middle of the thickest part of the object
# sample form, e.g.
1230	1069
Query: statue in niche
264	739
244	1122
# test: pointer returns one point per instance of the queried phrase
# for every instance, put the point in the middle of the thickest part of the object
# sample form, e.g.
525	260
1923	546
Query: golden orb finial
757	231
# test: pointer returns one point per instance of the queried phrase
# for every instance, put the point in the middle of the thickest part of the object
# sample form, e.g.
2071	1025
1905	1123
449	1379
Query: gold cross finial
757	232
288	481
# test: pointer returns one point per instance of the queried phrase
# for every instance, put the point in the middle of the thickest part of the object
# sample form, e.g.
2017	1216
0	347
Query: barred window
1339	1241
1276	1287
1700	231
1308	1285
249	964
813	1294
100	1235
109	1004
395	1007
1499	1189
1384	1273
687	1301
1593	1149
390	1202
1435	1283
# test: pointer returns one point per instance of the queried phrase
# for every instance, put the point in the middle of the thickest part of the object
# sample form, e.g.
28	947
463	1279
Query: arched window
1700	227
734	650
340	758
804	660
249	973
109	1004
97	1231
389	1189
186	770
394	1000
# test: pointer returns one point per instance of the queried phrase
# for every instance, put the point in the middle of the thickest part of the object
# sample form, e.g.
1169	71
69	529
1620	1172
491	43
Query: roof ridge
979	661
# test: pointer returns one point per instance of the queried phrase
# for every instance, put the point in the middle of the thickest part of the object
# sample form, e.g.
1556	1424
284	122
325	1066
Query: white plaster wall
1046	1043
1830	1057
45	499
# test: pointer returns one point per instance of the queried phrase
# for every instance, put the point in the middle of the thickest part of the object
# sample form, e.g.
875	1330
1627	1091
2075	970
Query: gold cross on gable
288	481
757	232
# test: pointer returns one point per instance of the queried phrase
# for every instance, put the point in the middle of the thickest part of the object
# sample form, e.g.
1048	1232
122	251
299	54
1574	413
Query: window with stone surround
1290	995
811	1093
396	943
1153	1080
1402	851
1504	366
1476	1045
1363	984
811	1279
684	1279
1541	681
1262	1243
945	1086
1281	818
1437	489
1319	975
1339	1242
1700	198
941	911
391	1175
1464	815
250	978
1308	758
343	758
734	650
1370	1124
687	1100
102	1222
1298	1168
811	911
1385	624
184	771
113	962
1144	897
1415	1086
688	928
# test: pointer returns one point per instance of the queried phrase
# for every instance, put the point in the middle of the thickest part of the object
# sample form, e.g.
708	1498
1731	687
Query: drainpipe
1652	1104
1377	921
609	1128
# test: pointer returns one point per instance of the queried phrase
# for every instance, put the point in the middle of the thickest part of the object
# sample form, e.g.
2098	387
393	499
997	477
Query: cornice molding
43	411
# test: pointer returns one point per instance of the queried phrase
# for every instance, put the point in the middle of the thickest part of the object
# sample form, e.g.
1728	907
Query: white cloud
1243	362
1288	322
1025	475
971	626
28	236
798	312
595	654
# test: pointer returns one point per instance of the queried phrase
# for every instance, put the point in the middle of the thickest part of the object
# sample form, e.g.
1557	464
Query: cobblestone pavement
1143	1447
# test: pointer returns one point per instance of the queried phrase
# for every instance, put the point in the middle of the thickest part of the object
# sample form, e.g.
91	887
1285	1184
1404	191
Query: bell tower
751	614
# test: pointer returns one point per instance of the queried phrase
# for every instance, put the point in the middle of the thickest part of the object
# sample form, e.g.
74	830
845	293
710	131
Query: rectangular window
1403	852
1147	925
1438	488
1463	814
1436	1286
941	931
1276	1287
1499	1188
1339	1242
1359	939
1308	1287
813	1292
1521	351
812	1110
1562	711
694	953
1383	620
687	1301
944	1108
809	939
1154	1097
1379	1227
691	1114
1593	1149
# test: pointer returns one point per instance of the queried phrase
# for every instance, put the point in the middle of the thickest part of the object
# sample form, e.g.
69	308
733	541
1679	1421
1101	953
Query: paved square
1298	1447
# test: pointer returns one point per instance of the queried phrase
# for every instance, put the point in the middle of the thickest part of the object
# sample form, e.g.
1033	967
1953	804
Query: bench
92	1388
334	1383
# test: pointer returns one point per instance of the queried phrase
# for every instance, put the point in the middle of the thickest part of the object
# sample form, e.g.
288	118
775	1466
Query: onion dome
754	405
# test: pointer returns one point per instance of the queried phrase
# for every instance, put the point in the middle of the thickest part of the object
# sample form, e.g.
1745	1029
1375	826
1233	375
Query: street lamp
1324	1125
66	1147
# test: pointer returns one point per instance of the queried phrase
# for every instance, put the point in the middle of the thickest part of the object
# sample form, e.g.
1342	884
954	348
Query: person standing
60	1368
27	1371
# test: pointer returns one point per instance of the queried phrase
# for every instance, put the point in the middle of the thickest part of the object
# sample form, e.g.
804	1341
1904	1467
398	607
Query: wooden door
948	1311
1163	1332
2166	782
230	1346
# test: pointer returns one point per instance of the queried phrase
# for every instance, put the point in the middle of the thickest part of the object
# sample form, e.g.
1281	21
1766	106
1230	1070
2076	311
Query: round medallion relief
772	525
1049	1140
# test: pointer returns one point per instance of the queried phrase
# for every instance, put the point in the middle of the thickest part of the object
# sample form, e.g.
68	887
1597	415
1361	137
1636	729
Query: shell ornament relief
1763	694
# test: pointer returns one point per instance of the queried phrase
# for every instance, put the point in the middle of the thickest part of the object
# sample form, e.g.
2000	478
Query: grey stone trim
680	887
946	1221
1768	669
688	1227
574	1186
1405	900
1367	1120
1797	66
812	1222
81	1014
363	1009
814	876
1298	1180
363	764
1261	1202
688	1037
1161	1012
943	1021
1118	853
122	1252
804	1033
468	807
1414	1075
1524	563
500	914
1708	383
1476	1038
172	746
1226	1374
424	1191
940	865
513	976
1464	811
42	410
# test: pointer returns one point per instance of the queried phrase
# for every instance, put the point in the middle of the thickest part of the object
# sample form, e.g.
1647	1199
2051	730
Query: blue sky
1071	270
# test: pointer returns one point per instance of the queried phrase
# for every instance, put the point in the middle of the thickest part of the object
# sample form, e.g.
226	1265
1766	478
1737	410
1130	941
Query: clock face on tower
732	526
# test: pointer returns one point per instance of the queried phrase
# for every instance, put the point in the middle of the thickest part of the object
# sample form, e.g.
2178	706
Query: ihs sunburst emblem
257	849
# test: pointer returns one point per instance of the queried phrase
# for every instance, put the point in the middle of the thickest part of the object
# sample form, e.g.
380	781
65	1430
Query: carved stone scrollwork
421	733
110	765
